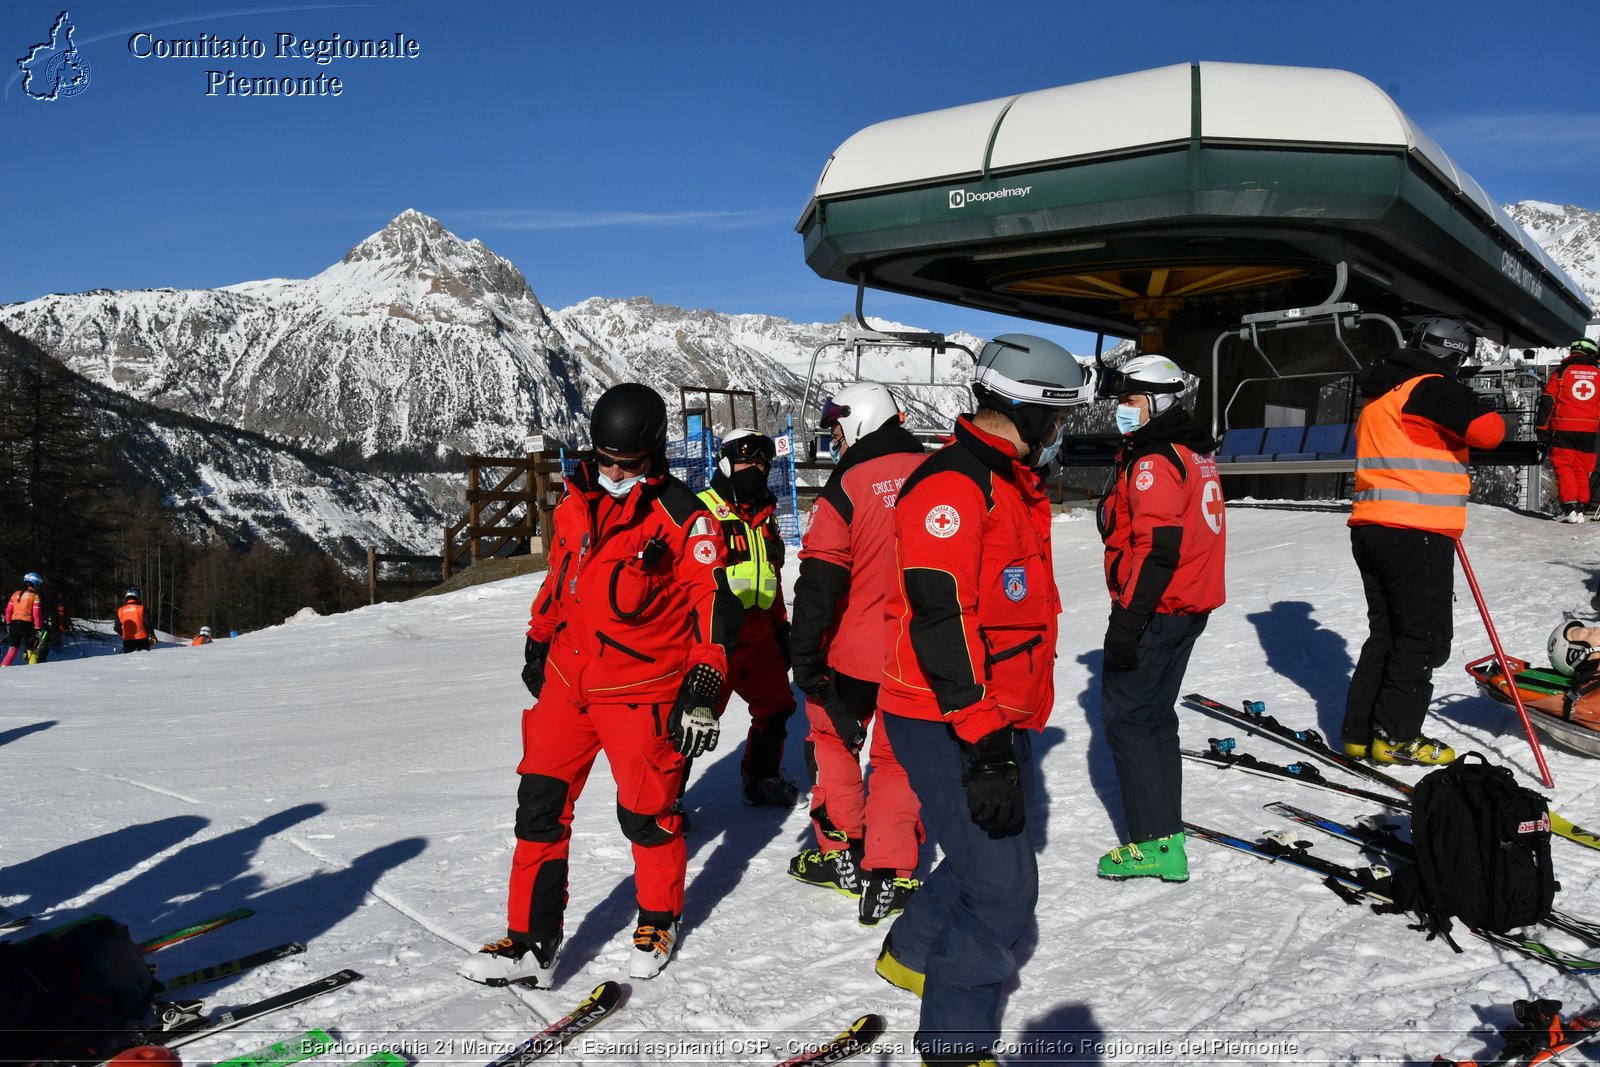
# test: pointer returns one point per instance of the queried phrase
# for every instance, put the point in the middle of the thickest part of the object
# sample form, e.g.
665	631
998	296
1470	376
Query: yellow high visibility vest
751	574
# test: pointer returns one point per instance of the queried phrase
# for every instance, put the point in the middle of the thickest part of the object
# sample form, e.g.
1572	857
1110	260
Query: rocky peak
414	246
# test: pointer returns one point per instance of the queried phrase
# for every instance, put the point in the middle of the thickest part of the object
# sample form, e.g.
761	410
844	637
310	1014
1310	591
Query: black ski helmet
629	418
1442	337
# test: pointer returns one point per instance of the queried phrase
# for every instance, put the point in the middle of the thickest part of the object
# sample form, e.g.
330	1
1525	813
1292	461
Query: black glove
851	730
534	654
811	674
994	784
780	632
692	726
1122	639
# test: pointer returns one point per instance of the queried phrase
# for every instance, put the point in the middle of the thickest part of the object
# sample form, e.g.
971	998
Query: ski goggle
832	413
752	449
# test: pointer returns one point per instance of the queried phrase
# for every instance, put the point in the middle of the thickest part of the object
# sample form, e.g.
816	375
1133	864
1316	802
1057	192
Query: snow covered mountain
419	339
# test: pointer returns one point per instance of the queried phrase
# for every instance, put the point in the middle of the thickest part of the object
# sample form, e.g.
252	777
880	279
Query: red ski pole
1505	665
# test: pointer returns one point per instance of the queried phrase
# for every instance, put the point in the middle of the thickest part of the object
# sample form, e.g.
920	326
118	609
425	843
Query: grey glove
692	725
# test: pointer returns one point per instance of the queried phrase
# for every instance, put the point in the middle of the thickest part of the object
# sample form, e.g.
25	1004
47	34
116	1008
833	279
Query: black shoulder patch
958	460
679	501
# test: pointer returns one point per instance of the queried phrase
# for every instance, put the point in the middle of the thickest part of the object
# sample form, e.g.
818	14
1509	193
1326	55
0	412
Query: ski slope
352	779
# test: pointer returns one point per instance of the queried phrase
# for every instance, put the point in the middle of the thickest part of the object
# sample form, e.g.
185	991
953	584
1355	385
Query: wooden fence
506	517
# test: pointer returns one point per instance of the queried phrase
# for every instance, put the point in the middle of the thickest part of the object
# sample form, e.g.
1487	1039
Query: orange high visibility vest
131	620
1401	481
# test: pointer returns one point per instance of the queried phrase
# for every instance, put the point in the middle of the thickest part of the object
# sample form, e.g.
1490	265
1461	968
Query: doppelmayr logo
963	197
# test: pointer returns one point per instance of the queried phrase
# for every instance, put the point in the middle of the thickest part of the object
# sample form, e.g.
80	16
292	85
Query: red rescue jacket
1162	521
847	556
971	619
636	595
1569	410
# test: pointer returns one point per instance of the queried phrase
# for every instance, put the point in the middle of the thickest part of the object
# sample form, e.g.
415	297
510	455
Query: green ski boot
1161	858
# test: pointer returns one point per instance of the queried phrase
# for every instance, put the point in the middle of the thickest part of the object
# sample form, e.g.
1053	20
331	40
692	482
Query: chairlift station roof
1179	199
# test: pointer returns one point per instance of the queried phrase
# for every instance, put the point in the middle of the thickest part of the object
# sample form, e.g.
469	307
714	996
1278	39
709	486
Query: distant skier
1410	507
1567	424
133	624
626	652
868	841
758	666
203	637
1166	546
969	674
24	617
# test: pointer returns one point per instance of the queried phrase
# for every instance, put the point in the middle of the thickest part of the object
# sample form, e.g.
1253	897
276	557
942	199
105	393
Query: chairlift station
1254	223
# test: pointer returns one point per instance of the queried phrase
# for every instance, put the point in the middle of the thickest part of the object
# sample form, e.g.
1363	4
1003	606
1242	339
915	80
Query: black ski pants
1409	579
1139	709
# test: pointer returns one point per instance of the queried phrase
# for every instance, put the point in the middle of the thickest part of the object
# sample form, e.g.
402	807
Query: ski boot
505	961
838	869
653	941
1162	857
1420	749
882	894
774	792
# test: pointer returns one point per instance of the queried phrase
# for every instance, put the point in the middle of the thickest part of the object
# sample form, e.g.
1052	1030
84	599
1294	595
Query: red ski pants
756	672
1572	468
559	743
880	810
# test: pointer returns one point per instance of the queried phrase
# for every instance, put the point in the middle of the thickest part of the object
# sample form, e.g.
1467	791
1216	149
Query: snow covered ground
351	778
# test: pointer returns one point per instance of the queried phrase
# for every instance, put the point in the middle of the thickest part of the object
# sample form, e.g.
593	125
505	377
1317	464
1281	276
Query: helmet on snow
1566	651
859	409
1442	337
745	446
1030	380
629	418
32	578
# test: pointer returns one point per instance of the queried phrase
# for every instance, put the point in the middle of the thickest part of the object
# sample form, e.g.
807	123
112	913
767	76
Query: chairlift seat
1242	443
1283	442
1323	441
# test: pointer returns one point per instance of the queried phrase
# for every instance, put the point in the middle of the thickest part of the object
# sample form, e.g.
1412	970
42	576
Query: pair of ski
607	998
1539	1036
307	1046
1372	883
1254	719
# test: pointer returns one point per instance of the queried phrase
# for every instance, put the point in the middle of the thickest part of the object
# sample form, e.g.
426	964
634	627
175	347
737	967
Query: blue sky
666	150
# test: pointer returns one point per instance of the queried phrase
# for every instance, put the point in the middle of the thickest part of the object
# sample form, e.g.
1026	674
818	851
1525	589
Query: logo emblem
723	512
1014	580
705	552
1211	506
958	198
943	520
55	69
1144	480
1583	389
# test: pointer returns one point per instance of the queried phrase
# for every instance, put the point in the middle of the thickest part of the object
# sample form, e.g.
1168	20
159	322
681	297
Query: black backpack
1483	849
73	995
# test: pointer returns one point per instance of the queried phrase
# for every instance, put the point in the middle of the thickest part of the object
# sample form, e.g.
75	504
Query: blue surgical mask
833	449
620	488
1048	453
1129	418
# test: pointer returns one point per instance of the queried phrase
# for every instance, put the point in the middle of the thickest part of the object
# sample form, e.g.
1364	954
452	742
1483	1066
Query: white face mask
620	488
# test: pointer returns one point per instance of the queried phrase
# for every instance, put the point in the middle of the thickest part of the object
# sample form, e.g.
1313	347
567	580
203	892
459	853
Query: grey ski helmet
1442	337
1029	379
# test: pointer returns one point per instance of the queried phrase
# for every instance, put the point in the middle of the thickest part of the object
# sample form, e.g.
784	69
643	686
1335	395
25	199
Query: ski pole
1505	665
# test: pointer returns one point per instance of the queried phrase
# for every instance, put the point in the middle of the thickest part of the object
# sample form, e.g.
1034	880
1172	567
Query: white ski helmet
205	631
1567	652
742	445
1156	376
859	409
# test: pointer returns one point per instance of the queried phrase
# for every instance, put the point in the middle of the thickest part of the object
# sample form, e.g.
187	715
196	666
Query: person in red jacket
1410	507
868	840
1568	424
1162	522
758	666
24	617
626	652
968	675
133	624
